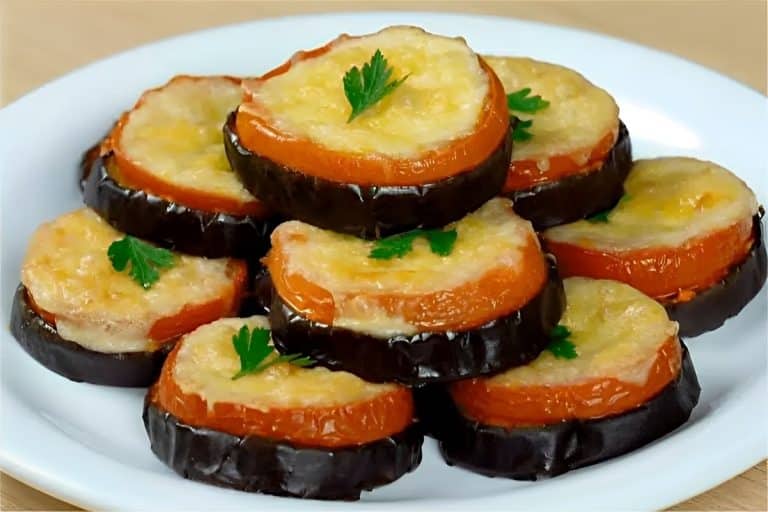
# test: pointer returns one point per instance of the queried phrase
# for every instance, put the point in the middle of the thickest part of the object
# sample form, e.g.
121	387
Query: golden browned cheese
207	360
617	332
668	201
488	238
579	114
68	273
176	135
440	101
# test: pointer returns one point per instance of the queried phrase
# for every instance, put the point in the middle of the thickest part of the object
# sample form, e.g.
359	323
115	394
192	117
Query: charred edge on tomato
532	453
75	362
257	464
581	195
710	308
366	211
172	225
513	340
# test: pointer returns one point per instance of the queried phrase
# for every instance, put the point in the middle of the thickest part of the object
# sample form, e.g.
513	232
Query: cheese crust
206	361
489	238
668	202
617	332
440	101
174	132
578	117
67	272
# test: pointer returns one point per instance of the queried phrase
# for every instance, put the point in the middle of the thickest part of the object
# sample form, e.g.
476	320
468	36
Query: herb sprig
365	89
254	351
396	246
560	344
520	101
146	260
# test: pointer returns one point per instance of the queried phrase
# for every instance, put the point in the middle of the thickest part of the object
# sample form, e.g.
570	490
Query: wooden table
43	39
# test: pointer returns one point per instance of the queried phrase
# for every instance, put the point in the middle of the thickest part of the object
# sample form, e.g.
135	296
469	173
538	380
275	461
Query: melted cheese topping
668	202
440	101
68	273
176	134
579	114
488	238
617	332
207	360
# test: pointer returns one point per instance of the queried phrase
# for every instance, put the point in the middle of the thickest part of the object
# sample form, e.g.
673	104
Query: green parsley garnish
560	344
519	101
520	131
365	89
146	260
396	246
602	217
254	349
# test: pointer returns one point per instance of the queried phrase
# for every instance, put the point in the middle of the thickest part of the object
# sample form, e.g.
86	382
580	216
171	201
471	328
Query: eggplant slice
172	225
710	309
366	211
579	196
257	464
75	362
536	452
513	340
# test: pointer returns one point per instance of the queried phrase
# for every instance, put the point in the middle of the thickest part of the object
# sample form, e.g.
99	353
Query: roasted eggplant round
173	225
163	173
710	308
681	227
614	378
75	311
277	428
75	362
572	153
388	169
396	310
580	195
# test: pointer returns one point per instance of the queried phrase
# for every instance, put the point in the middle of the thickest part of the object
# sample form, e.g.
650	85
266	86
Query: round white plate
86	444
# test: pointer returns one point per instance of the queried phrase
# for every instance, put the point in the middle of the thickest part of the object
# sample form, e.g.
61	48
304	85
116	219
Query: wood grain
42	39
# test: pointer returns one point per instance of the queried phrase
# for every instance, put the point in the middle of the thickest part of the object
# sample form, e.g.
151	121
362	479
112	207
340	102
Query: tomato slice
340	425
661	271
498	292
504	406
133	175
525	174
259	133
191	316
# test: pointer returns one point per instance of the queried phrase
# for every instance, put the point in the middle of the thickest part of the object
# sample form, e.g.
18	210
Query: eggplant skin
366	211
172	225
578	196
513	340
257	464
86	163
532	453
75	362
710	309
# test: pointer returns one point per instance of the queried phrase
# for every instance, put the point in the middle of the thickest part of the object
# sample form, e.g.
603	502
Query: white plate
86	444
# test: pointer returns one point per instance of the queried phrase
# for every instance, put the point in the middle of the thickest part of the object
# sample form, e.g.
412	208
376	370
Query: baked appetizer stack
406	290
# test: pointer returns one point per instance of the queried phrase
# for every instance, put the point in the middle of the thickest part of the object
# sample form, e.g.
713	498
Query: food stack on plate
375	253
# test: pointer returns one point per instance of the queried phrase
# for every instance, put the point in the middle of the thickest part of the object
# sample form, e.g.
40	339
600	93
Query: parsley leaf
254	349
396	246
520	131
146	260
560	344
602	217
364	89
519	101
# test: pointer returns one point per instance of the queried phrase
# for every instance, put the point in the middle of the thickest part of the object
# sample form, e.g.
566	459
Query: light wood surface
42	39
